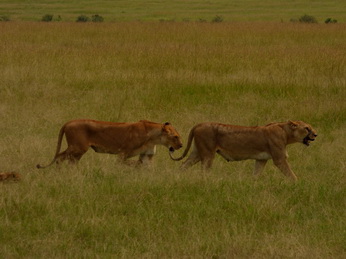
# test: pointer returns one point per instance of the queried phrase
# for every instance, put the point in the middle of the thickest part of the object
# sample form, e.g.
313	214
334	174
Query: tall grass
185	73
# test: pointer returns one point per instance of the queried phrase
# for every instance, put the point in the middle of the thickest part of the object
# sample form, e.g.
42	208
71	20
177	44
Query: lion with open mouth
235	143
123	139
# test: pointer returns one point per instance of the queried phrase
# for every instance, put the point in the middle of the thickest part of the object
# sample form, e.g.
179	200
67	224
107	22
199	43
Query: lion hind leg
61	157
74	158
71	155
58	159
207	156
64	156
193	159
206	152
207	161
190	162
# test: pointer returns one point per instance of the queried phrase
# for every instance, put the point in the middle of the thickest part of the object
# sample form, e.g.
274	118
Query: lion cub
11	176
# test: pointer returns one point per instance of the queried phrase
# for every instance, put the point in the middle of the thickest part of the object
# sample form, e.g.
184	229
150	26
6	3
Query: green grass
130	213
168	10
185	73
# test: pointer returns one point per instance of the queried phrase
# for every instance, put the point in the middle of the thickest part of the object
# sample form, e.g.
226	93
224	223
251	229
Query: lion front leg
285	168
124	159
145	159
259	167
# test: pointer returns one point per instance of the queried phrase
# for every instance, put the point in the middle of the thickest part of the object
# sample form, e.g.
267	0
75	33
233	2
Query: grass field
178	10
185	73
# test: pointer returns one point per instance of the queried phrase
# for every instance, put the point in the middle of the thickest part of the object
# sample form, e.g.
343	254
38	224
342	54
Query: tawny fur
235	143
9	176
124	139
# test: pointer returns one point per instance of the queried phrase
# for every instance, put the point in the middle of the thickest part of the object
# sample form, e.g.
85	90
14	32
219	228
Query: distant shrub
307	19
97	18
202	20
47	18
4	18
217	18
82	18
330	20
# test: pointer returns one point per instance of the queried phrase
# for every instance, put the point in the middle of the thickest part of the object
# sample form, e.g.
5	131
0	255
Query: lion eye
308	130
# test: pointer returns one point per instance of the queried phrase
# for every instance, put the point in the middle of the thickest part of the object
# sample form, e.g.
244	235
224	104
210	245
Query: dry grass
241	73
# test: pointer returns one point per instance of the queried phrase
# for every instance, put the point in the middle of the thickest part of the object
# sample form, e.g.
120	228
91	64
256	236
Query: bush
47	18
217	18
307	19
330	20
97	18
82	18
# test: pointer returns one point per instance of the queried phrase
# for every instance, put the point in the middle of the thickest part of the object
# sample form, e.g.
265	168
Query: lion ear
164	126
292	124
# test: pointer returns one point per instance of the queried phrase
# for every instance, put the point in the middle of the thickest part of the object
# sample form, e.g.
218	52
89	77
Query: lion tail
61	134
189	142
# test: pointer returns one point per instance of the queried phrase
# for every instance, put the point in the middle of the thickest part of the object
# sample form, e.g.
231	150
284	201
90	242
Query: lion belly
238	156
100	149
241	144
262	156
143	150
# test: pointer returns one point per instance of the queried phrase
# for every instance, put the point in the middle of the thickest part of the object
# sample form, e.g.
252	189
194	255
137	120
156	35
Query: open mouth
307	140
171	149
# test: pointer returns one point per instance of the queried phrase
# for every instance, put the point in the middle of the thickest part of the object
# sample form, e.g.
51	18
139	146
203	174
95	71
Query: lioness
235	143
125	139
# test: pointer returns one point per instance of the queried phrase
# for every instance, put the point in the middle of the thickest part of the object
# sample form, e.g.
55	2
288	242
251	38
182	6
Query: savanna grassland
246	73
175	10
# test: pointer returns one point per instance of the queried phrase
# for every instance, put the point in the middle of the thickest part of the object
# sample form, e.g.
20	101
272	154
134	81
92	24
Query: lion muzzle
307	140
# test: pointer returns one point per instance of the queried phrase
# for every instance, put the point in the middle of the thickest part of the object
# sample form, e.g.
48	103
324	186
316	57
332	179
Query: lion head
170	137
302	132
